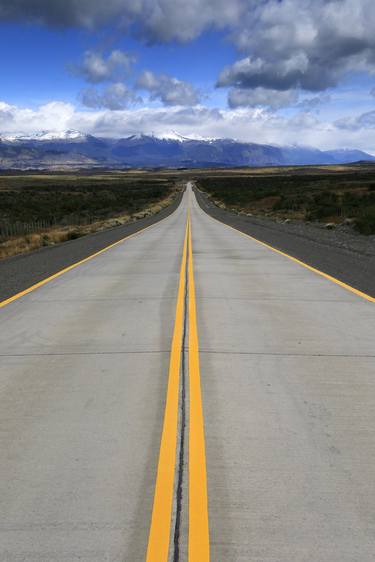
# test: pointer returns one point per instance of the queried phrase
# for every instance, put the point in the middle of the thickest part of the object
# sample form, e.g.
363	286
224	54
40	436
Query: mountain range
73	149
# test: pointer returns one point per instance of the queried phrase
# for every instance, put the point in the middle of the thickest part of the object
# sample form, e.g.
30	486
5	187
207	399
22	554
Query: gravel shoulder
20	272
342	253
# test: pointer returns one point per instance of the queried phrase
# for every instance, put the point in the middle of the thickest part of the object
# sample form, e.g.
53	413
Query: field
333	195
42	209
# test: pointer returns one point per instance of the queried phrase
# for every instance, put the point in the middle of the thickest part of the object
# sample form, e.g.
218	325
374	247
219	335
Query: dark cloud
280	75
116	97
157	20
86	13
272	99
307	44
167	89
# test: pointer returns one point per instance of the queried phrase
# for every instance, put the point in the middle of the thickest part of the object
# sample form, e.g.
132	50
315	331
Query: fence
11	230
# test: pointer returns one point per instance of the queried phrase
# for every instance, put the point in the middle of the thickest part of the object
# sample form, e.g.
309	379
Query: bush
74	234
365	223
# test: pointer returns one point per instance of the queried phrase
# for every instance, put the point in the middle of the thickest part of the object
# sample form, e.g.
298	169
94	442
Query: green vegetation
316	195
42	210
64	199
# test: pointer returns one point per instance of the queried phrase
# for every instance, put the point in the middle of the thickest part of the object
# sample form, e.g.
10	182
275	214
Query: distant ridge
71	148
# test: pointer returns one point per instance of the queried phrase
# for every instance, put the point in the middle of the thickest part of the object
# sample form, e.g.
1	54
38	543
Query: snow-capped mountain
68	135
49	149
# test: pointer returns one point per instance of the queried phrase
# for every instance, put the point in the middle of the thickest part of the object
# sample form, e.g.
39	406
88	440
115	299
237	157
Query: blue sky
44	65
274	71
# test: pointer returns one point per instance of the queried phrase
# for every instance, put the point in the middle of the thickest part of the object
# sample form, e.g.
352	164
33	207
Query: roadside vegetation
40	210
346	195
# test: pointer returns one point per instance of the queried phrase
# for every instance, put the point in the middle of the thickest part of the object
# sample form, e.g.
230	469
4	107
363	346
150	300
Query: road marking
73	266
160	530
199	542
307	266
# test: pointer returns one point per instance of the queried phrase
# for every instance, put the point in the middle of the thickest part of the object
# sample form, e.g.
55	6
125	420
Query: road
348	257
188	393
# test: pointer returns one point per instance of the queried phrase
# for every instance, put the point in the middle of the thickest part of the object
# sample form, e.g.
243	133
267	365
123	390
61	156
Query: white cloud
289	43
54	115
95	68
247	124
115	97
170	91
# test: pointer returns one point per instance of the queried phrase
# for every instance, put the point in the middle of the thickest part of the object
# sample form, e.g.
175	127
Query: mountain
42	136
57	150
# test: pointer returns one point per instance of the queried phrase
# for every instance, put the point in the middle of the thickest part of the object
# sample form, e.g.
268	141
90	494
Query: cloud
286	44
255	73
115	97
357	123
273	99
247	124
61	13
308	44
95	68
156	20
167	89
313	103
54	115
6	114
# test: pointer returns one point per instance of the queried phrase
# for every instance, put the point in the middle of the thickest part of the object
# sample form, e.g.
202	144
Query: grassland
40	209
43	209
334	195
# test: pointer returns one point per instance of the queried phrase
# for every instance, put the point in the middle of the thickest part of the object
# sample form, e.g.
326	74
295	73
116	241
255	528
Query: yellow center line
199	542
161	519
159	537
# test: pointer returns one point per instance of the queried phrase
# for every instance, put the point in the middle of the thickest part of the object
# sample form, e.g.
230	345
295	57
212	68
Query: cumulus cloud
254	73
167	89
54	115
96	68
307	44
273	99
285	44
115	97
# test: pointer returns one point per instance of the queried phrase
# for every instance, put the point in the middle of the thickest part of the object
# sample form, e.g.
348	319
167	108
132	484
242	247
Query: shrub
365	223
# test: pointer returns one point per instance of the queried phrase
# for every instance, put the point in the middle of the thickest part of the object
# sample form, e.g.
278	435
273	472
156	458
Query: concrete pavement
287	367
84	363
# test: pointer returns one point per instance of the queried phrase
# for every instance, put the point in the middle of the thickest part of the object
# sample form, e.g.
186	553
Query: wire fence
10	230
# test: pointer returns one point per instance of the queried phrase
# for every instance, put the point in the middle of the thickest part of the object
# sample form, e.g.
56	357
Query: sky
281	72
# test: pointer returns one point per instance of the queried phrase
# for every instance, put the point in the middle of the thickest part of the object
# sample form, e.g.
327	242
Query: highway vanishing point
187	394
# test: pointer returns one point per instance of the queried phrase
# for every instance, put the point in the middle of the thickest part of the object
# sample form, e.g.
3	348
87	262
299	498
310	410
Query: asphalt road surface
188	394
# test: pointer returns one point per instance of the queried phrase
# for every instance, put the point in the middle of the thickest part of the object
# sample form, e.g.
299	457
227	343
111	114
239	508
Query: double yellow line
161	521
